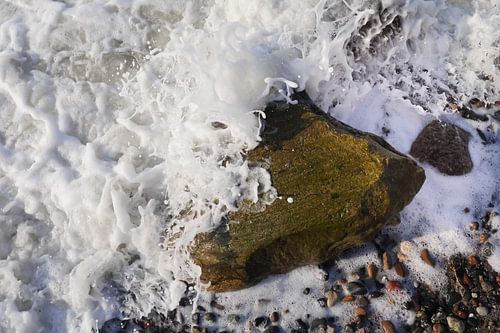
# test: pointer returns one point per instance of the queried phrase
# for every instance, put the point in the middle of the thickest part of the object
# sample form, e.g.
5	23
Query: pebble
482	311
372	270
348	298
386	261
455	325
387	326
331	298
233	318
301	325
406	247
399	268
376	294
195	318
483	238
323	276
322	302
426	257
262	321
474	226
473	260
272	329
275	317
210	317
216	305
356	288
438	328
360	312
363	301
393	285
307	291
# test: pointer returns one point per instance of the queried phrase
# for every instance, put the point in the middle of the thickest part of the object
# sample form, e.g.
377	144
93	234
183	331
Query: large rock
445	147
338	187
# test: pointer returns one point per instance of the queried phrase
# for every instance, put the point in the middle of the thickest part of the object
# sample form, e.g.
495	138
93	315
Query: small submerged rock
445	147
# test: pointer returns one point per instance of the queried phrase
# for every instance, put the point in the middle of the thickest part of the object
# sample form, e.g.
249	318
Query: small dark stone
469	114
318	325
275	317
322	302
445	147
216	305
307	291
272	329
300	324
262	321
210	317
201	308
195	317
185	301
356	288
376	294
233	318
471	321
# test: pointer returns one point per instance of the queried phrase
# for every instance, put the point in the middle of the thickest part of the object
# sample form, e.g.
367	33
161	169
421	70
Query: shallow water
124	123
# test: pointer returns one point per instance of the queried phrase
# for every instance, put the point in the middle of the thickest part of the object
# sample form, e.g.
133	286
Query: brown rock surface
345	186
445	147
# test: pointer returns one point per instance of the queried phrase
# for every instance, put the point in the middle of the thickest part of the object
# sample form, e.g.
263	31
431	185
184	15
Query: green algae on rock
337	188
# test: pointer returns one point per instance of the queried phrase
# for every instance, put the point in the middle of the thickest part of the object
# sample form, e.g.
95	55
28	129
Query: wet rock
482	311
455	325
387	326
399	268
300	324
393	285
275	317
331	298
233	318
262	321
356	288
272	329
426	257
210	317
372	270
345	184
445	147
386	261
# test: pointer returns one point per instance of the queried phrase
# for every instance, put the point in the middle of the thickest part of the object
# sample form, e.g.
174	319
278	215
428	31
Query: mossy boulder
337	187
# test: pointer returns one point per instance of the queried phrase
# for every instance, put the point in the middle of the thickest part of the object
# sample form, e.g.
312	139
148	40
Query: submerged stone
445	147
345	185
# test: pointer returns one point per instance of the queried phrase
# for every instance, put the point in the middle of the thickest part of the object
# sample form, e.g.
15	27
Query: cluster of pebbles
470	303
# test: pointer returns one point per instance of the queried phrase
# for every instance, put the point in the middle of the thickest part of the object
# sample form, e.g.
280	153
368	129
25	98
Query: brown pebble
360	312
216	305
438	328
331	298
483	238
467	281
348	298
462	314
387	326
363	301
473	260
399	268
466	210
393	285
372	270
474	226
275	317
426	257
386	261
